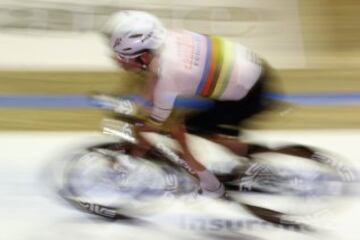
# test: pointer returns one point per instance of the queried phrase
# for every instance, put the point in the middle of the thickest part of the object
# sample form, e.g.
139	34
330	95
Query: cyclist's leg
209	183
232	143
178	133
206	124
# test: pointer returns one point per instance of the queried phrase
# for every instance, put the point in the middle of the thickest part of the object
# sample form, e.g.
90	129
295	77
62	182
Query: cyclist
184	63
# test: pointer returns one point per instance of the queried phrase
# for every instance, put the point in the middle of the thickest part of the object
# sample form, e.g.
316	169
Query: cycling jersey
192	64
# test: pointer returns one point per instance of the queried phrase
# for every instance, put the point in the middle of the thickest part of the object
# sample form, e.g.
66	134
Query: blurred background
52	57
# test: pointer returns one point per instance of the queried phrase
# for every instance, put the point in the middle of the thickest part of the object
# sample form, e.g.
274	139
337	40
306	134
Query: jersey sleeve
164	100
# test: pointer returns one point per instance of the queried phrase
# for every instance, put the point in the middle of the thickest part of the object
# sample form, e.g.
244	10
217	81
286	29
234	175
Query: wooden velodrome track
331	36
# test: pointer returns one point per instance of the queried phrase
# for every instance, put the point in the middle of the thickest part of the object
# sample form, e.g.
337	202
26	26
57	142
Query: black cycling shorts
226	116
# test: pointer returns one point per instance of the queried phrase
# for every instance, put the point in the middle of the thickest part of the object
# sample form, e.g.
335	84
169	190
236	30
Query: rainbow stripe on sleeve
219	65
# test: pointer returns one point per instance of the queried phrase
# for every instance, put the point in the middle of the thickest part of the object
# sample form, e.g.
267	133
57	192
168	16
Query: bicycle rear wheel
293	180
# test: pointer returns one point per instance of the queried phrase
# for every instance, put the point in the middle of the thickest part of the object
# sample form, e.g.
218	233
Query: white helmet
132	32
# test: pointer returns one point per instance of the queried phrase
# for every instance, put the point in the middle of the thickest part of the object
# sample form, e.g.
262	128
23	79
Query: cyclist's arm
159	92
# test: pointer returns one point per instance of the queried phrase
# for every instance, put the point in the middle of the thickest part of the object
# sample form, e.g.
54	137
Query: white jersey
192	64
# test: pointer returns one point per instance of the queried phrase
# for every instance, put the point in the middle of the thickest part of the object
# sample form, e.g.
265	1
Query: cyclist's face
135	64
